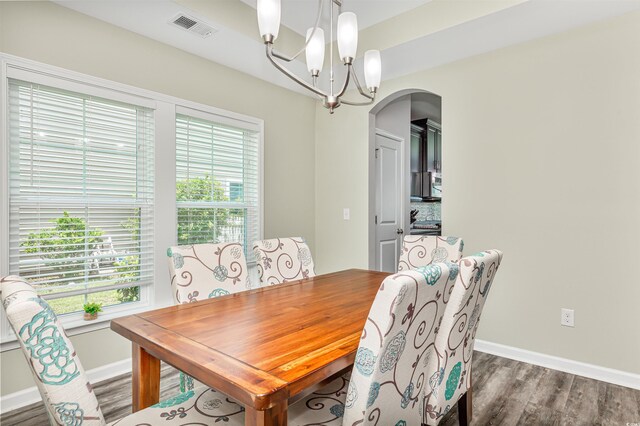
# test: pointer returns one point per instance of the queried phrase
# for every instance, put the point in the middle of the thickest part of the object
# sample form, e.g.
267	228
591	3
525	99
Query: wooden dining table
265	348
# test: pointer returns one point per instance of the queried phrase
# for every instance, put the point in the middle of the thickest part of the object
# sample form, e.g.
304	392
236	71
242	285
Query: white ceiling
301	14
520	23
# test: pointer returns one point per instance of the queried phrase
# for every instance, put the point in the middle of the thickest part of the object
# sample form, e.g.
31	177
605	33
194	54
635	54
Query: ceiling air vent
193	25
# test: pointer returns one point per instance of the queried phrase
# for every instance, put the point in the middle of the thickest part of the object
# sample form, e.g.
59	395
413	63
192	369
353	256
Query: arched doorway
404	172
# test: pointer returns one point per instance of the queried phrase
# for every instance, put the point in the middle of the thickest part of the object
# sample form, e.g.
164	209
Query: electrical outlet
346	213
566	317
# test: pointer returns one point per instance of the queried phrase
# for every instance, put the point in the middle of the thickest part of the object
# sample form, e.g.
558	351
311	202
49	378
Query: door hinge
376	219
377	149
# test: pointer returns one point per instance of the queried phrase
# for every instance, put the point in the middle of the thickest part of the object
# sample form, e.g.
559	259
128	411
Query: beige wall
541	159
54	35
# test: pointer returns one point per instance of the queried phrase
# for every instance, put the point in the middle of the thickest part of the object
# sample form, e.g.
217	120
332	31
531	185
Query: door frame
371	227
403	165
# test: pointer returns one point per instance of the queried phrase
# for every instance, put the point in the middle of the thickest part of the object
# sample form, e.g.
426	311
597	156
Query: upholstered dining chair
283	259
69	398
391	377
456	337
421	250
63	384
203	271
414	359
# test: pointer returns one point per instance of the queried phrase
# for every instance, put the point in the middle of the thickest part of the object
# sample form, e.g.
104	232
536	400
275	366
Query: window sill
74	323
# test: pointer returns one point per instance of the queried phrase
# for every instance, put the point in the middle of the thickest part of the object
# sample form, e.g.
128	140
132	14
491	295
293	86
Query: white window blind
80	195
217	180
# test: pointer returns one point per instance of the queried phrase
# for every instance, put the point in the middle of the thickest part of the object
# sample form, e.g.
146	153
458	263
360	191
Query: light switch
346	214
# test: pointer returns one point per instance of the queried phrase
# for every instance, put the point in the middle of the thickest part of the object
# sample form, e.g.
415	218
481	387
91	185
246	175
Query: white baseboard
604	374
31	395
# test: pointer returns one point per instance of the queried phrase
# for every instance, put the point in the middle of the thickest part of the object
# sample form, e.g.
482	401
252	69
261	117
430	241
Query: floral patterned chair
456	337
283	259
421	250
391	377
69	398
203	271
62	382
414	363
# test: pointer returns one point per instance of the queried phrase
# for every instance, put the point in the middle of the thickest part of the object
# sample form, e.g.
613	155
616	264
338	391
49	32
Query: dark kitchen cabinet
426	159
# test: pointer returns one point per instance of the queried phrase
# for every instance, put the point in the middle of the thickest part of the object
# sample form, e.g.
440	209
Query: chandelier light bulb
269	18
346	30
315	51
372	69
347	36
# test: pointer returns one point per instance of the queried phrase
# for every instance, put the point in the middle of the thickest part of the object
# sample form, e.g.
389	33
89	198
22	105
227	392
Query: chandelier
314	48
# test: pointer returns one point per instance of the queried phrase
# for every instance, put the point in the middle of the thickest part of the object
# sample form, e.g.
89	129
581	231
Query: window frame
165	108
239	124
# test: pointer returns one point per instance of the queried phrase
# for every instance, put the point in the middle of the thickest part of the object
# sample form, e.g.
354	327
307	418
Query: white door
389	214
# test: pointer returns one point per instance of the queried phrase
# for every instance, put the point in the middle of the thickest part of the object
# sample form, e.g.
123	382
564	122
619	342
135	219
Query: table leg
274	416
145	379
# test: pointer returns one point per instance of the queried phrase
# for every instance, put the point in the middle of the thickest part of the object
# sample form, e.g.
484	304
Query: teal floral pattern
421	250
218	292
406	396
374	391
431	273
178	260
392	352
46	345
220	272
337	410
365	361
69	413
63	385
453	270
176	400
283	260
452	381
186	382
439	254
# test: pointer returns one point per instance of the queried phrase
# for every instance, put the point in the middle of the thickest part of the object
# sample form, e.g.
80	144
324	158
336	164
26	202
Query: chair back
390	376
203	271
456	338
283	259
61	380
421	250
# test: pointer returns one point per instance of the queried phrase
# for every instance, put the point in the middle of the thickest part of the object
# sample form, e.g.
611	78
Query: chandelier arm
346	82
315	27
291	75
369	102
315	84
362	92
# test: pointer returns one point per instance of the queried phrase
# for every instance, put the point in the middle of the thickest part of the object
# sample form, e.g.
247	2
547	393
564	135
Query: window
80	195
217	184
83	214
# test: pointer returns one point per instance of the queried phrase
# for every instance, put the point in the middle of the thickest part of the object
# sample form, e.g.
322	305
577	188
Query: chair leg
465	408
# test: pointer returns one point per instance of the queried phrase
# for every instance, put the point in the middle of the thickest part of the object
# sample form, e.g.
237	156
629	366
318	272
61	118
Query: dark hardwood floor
505	392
